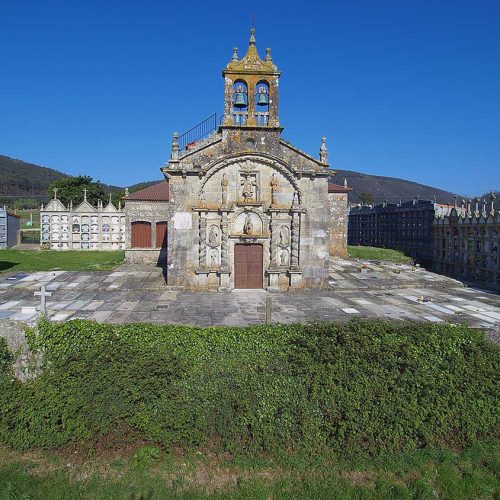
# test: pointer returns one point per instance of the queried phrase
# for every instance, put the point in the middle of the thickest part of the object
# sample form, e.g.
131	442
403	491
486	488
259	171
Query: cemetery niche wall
84	227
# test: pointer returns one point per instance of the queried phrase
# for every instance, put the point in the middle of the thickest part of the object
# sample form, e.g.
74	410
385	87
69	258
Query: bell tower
251	89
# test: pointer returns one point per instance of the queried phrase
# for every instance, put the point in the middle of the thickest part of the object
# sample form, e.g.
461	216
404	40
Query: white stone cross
43	294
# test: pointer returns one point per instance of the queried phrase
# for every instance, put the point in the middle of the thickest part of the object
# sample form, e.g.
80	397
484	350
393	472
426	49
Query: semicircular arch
259	159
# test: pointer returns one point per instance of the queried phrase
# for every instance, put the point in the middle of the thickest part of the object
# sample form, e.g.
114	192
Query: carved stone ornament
213	236
248	226
274	188
284	236
248	191
284	258
214	258
224	184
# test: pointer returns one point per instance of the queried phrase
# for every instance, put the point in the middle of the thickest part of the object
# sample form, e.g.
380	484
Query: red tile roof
156	192
337	188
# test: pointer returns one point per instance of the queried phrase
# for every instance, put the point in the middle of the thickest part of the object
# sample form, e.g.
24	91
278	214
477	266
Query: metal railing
203	129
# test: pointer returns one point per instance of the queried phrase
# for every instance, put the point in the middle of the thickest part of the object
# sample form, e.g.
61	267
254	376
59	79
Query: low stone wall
146	256
13	333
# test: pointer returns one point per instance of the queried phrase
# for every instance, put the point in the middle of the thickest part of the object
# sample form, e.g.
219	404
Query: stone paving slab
358	289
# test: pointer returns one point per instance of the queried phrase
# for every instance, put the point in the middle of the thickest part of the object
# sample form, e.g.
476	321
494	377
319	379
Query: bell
240	99
263	99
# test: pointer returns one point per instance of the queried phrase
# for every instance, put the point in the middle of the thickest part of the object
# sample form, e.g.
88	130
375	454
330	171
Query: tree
366	198
72	189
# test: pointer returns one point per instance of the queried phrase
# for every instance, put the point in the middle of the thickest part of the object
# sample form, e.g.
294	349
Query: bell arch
240	102
262	103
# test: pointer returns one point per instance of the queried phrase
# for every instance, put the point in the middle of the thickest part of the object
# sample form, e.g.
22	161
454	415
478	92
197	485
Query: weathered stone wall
338	213
314	237
151	212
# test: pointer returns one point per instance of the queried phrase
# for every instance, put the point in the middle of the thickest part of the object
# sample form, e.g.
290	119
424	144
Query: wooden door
141	234
161	234
248	266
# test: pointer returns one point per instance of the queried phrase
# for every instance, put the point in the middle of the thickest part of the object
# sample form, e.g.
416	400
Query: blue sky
402	88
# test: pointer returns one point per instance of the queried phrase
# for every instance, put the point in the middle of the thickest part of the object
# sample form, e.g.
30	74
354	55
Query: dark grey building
10	224
407	227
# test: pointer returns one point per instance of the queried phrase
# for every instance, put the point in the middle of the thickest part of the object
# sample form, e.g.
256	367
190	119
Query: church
241	207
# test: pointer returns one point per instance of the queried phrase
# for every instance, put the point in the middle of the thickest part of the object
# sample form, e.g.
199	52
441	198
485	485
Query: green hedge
372	386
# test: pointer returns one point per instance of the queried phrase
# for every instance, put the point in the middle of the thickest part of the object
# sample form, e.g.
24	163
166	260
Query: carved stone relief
213	236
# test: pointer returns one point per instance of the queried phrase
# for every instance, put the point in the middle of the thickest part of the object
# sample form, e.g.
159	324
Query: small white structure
82	228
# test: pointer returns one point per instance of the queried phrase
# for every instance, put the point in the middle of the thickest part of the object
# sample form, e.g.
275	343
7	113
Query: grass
70	260
25	217
149	473
375	253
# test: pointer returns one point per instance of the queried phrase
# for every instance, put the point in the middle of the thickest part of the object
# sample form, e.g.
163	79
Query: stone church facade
243	208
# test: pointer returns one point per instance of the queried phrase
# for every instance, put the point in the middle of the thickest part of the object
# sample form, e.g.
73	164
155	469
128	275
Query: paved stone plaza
358	289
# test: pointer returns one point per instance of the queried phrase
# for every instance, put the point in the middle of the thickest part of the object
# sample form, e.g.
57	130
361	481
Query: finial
119	205
110	198
492	202
345	182
252	32
456	200
235	53
175	147
484	205
469	206
126	192
323	151
55	193
84	194
268	55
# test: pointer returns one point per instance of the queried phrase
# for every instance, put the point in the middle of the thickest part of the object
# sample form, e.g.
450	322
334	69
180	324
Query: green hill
20	180
25	184
376	189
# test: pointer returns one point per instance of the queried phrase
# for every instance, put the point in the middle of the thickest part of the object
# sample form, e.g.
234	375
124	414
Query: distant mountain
375	189
142	185
19	179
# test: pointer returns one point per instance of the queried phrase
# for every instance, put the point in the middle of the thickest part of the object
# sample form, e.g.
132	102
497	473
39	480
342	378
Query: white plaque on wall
183	220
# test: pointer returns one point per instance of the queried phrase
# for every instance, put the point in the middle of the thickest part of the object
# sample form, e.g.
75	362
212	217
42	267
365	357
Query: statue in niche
283	236
224	183
284	258
214	258
202	198
274	187
248	192
248	226
213	236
